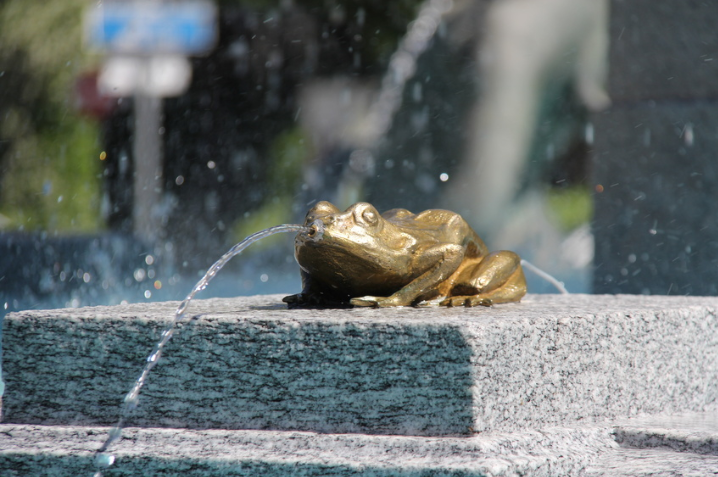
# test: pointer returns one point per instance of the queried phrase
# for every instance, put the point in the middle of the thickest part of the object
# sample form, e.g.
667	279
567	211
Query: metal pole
148	168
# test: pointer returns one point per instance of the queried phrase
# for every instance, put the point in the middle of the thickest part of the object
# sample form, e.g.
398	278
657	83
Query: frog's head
350	246
358	229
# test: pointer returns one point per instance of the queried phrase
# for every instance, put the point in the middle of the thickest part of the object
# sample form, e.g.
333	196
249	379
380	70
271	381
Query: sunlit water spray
103	458
402	65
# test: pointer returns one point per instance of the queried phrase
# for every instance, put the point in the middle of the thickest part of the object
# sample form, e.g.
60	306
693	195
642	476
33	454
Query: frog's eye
370	216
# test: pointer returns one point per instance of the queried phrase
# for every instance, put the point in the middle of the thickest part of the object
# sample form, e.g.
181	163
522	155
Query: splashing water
103	459
402	65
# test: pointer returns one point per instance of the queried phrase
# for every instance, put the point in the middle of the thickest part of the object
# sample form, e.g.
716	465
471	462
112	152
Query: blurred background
140	140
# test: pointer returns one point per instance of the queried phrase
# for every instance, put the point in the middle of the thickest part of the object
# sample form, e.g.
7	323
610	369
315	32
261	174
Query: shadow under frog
362	258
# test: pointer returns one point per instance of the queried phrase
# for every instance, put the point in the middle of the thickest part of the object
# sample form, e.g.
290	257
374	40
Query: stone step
652	463
59	451
683	445
695	433
666	446
250	363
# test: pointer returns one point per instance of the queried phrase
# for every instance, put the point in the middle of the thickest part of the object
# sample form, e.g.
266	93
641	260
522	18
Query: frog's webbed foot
468	301
377	301
296	300
310	300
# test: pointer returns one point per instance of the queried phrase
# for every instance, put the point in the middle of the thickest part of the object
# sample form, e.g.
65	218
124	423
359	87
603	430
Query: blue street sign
146	28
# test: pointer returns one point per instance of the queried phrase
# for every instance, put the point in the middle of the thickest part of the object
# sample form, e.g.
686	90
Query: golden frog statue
398	258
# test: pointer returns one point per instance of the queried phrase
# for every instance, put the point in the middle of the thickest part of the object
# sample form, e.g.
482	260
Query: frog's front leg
434	265
314	295
498	278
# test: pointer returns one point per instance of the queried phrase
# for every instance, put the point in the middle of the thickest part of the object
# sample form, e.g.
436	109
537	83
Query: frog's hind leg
507	294
499	278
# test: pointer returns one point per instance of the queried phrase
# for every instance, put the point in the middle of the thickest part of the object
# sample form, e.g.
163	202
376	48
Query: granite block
249	363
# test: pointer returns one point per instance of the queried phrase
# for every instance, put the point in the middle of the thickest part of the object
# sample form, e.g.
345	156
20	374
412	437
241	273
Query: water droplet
179	180
443	177
149	259
139	274
154	357
211	164
132	397
86	277
589	134
654	230
148	294
158	284
688	136
104	460
264	277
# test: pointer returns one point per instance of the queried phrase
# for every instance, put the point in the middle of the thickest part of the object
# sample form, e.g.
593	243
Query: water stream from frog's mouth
103	458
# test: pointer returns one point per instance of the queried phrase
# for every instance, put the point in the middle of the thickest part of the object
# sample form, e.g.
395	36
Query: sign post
147	45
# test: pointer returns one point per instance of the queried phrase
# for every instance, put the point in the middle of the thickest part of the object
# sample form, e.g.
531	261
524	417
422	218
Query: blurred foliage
49	165
571	206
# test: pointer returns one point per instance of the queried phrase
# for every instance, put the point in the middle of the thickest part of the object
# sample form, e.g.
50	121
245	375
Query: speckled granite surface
249	363
679	445
541	388
276	453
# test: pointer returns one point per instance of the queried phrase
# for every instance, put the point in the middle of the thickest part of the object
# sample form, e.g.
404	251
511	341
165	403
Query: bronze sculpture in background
362	258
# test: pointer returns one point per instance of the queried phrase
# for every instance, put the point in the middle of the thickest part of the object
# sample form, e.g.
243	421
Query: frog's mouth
314	231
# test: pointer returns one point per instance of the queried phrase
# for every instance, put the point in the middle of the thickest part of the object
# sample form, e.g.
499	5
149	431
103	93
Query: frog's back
442	226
